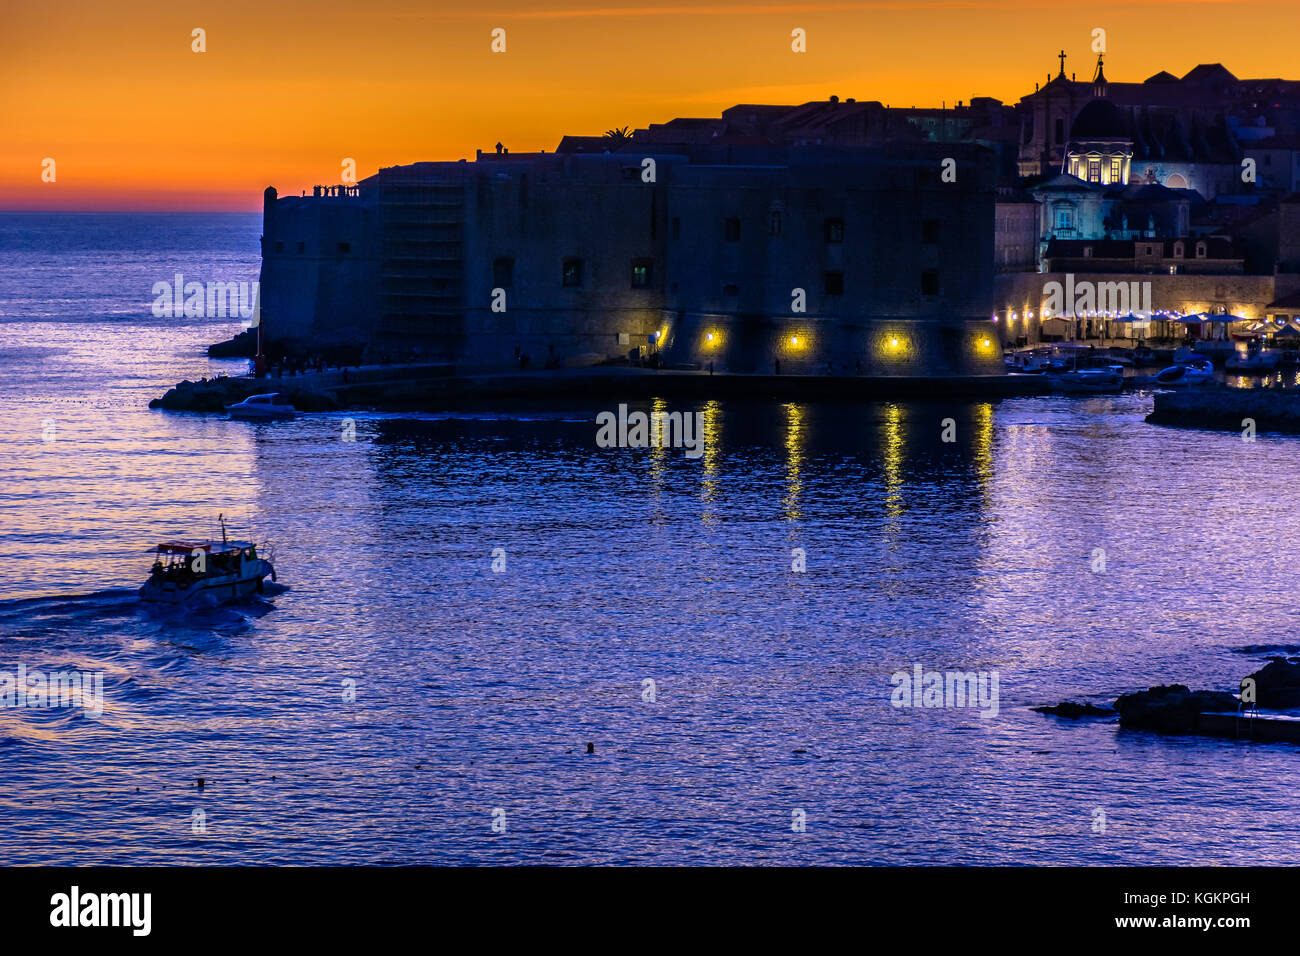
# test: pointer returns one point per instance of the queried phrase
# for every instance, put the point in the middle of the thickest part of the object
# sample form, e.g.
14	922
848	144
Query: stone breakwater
1177	710
1229	409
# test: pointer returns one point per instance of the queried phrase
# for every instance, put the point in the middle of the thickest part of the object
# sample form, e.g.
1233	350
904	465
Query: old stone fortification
870	259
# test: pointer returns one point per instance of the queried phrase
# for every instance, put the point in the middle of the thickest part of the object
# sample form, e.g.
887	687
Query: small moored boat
1257	360
1090	380
262	408
1192	372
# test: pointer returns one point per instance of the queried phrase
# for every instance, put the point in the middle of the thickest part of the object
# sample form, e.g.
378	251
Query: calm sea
477	692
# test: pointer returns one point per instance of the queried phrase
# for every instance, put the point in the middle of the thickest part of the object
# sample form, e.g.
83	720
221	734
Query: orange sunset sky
135	120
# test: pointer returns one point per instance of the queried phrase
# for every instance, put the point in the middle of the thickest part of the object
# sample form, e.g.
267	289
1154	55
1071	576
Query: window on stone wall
1200	250
1178	250
930	282
930	231
834	230
731	230
1094	171
1116	169
571	273
833	283
642	273
503	273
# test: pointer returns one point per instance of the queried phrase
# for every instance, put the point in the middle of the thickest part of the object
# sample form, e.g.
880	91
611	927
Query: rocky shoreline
214	394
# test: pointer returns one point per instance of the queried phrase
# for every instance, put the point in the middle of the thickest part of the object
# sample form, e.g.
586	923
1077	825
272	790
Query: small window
834	230
642	273
677	227
302	247
833	283
1178	250
279	247
731	290
930	231
1087	252
503	273
1094	171
731	230
571	273
345	247
1116	165
1064	219
1200	250
930	282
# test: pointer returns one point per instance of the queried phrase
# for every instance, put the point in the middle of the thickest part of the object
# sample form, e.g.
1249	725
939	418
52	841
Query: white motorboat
1195	371
262	408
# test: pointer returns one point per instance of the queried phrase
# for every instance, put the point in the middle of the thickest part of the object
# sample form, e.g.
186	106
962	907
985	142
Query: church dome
1100	119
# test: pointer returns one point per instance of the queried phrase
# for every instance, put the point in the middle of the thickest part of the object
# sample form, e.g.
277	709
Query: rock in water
1277	684
1073	710
1171	709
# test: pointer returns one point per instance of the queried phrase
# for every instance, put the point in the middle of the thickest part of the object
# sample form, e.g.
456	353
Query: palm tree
619	135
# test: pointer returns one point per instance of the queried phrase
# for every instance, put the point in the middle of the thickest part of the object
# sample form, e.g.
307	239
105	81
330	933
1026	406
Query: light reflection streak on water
794	441
711	419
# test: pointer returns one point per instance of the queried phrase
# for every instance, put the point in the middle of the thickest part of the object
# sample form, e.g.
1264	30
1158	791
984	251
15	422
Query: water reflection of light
794	445
658	456
983	446
711	432
892	462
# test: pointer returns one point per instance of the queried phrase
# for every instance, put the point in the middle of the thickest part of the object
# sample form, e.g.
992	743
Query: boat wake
123	653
